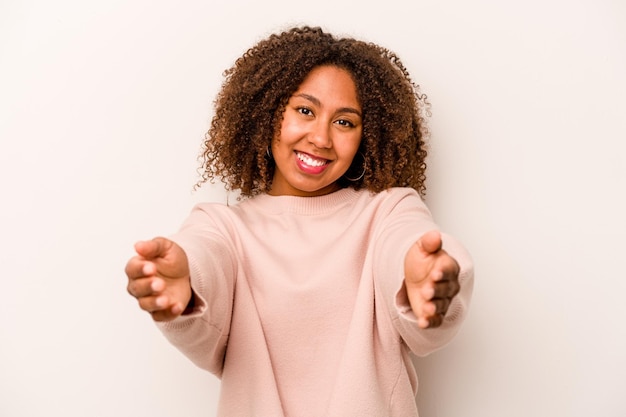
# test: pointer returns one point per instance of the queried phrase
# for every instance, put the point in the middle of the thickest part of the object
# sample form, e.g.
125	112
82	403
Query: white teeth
310	161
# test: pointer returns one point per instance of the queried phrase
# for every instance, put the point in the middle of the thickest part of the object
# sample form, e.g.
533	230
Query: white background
103	106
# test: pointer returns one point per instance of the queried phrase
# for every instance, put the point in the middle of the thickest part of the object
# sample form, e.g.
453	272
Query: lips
310	160
311	164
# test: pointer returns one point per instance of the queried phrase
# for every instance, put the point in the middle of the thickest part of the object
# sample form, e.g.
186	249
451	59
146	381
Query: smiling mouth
311	161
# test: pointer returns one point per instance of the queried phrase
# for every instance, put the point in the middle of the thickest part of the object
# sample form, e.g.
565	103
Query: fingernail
428	293
161	301
432	308
437	275
177	309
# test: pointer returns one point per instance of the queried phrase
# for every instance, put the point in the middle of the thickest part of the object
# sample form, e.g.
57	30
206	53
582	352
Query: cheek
352	145
289	128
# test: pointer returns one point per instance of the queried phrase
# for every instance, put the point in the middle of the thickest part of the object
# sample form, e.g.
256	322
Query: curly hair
255	92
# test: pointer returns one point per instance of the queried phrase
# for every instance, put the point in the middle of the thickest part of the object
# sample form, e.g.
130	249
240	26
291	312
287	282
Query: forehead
329	83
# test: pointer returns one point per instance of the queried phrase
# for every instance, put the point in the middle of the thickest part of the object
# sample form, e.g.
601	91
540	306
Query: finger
446	289
435	321
139	270
430	321
428	291
151	249
145	287
167	314
154	303
453	289
445	269
423	323
136	268
428	309
430	242
441	305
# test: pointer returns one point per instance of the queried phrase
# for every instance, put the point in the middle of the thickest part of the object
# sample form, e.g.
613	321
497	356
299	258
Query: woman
308	297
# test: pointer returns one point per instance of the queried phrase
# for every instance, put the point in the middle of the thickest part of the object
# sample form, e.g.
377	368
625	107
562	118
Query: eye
344	122
305	111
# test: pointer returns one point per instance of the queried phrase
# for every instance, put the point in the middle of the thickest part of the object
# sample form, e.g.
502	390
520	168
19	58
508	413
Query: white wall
102	109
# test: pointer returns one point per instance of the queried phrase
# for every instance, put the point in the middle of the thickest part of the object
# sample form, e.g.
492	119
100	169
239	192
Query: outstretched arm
431	279
158	277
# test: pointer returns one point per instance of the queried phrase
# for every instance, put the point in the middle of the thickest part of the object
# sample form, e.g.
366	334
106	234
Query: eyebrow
316	101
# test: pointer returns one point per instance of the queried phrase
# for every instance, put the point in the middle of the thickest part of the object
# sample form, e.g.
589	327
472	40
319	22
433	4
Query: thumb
430	242
154	248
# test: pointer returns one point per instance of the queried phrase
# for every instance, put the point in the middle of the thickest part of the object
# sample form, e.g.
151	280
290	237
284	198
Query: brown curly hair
255	91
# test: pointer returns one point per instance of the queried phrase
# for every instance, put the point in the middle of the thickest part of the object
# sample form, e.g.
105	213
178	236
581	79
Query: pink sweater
300	309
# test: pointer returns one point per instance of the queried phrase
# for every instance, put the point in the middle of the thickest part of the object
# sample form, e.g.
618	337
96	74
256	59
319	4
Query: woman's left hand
431	279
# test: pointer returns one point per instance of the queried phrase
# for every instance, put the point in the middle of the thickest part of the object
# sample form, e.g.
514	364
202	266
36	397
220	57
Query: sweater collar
304	205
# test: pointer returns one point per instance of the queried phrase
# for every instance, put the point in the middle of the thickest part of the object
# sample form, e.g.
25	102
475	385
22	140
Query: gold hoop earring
362	173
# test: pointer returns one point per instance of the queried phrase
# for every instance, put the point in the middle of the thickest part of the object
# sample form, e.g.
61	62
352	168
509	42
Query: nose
320	135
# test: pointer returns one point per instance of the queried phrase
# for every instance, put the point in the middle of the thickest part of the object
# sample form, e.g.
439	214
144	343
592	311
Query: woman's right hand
158	277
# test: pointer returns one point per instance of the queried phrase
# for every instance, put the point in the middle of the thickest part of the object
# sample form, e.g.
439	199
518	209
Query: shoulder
390	194
209	210
395	198
211	217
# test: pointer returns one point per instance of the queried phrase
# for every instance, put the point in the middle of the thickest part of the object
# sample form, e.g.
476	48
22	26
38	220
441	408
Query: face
319	135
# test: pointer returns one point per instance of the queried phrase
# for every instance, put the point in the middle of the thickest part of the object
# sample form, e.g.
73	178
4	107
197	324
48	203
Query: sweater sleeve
202	335
407	220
